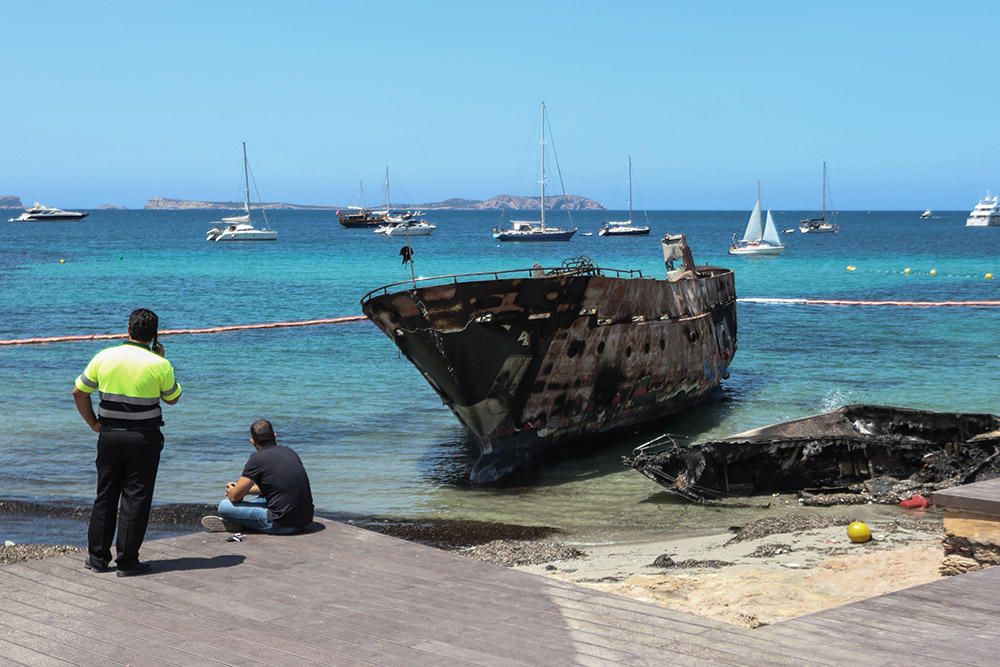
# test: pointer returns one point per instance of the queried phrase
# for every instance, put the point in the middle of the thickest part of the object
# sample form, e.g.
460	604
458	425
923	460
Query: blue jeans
252	514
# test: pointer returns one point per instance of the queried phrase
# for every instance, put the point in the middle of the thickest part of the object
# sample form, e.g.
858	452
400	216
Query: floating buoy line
187	332
851	302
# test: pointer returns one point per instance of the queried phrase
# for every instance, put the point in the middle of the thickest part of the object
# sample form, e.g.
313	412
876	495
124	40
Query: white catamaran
239	227
531	230
758	239
625	227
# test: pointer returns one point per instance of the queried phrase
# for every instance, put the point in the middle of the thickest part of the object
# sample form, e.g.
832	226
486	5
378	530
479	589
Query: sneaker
94	567
216	524
137	569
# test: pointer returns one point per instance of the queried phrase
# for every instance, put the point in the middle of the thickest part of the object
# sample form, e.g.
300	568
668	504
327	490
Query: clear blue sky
118	102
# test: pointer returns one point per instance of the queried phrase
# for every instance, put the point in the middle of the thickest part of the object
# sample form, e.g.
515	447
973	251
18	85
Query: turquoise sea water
374	437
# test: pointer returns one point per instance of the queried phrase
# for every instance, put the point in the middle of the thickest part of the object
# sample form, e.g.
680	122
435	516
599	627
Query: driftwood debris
878	453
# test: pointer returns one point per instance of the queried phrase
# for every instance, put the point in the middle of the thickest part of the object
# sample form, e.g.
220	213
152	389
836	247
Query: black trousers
127	462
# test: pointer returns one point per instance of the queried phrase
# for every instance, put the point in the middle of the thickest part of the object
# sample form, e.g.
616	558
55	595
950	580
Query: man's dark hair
262	433
142	325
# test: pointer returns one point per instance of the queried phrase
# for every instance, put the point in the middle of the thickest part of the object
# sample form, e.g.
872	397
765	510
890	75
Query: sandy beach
761	579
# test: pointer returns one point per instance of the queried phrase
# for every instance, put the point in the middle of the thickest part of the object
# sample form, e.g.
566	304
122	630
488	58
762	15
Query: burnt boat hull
842	449
527	362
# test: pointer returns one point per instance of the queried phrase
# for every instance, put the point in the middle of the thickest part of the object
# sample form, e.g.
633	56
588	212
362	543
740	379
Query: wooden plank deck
346	596
981	497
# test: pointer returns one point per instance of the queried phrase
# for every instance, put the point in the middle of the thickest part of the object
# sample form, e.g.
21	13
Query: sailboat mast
542	199
761	208
630	189
387	190
362	186
246	181
824	190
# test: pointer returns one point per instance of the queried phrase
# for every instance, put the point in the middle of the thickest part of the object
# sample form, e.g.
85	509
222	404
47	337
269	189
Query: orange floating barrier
186	332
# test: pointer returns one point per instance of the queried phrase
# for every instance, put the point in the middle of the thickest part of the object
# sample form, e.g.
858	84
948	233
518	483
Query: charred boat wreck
879	453
530	358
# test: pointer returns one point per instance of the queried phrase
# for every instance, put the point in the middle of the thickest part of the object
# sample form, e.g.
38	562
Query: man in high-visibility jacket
132	379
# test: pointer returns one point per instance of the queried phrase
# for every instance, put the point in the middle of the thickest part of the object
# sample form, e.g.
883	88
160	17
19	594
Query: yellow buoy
988	276
933	272
859	532
62	261
906	271
851	267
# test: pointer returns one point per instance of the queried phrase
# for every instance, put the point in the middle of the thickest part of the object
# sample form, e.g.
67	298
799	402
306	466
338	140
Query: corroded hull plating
528	361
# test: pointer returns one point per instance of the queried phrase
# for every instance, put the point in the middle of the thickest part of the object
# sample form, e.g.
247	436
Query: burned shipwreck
878	453
529	358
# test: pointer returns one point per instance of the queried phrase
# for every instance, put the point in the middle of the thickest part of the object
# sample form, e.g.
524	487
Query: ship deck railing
535	272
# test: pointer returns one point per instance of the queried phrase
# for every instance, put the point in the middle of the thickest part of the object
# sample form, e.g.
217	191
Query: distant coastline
10	201
499	202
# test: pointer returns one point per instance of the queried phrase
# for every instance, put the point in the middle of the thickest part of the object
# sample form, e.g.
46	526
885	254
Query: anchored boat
530	358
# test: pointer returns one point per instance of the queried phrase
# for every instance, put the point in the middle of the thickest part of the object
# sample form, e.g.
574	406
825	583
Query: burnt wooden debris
530	358
347	596
882	454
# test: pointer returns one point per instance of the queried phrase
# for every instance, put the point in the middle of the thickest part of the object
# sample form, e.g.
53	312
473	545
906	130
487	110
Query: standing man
277	475
132	378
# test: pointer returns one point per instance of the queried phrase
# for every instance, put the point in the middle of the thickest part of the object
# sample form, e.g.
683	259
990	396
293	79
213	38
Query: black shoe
137	569
94	567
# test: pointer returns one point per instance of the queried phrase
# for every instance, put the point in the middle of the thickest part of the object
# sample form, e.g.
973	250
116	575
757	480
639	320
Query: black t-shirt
283	482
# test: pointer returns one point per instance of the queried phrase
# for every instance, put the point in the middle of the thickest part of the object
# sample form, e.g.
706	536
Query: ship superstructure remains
533	357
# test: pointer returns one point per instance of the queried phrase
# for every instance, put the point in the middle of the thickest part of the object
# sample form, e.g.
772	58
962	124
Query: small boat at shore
545	359
885	452
40	213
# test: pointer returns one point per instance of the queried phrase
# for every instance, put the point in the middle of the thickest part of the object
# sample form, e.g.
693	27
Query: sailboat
625	227
239	227
820	225
758	239
359	216
531	230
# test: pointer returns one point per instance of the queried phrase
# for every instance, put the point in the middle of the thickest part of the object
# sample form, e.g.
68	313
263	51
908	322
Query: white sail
753	231
237	218
770	231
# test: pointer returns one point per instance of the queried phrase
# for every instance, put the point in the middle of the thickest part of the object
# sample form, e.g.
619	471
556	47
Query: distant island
10	201
505	202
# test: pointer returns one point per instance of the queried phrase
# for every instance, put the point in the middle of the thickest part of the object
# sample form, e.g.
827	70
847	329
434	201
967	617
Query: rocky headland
10	201
500	202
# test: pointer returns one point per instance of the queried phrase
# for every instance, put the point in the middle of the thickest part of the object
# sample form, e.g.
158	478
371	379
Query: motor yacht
39	213
986	213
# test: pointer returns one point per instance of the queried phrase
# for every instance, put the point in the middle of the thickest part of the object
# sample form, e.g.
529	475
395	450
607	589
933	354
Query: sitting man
275	474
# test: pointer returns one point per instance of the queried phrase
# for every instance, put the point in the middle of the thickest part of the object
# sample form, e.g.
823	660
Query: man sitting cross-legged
277	475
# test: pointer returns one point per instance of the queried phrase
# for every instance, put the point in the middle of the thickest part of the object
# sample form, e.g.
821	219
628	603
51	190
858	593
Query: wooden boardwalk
346	596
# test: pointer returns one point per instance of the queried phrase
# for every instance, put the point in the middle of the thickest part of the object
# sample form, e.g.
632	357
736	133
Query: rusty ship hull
539	357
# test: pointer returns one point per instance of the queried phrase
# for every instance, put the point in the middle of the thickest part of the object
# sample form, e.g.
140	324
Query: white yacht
927	214
39	213
239	227
410	227
986	213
